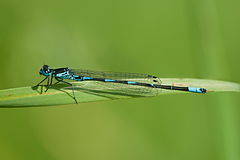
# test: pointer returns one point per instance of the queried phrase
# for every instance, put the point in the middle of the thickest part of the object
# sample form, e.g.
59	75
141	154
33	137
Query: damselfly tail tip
203	90
197	90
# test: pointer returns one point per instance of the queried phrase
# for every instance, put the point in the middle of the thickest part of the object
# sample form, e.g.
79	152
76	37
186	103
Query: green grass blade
62	94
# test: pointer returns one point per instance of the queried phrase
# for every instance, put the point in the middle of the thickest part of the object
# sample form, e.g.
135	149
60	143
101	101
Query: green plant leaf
85	92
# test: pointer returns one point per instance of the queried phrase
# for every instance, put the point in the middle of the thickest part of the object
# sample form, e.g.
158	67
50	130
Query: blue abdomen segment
86	78
197	90
109	80
131	82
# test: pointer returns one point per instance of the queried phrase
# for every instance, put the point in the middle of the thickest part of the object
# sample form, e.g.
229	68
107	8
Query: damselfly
129	83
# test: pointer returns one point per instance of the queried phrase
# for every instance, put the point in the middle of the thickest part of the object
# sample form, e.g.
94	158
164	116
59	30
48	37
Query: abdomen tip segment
197	90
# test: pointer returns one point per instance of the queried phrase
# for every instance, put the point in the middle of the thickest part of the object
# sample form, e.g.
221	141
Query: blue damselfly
134	83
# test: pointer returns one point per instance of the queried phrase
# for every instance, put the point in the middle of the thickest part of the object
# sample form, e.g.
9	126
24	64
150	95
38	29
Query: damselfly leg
49	84
41	81
61	80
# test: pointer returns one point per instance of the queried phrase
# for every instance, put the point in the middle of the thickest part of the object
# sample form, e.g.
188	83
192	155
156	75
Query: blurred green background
179	38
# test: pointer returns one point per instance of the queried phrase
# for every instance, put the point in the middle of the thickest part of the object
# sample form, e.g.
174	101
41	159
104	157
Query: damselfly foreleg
49	82
41	81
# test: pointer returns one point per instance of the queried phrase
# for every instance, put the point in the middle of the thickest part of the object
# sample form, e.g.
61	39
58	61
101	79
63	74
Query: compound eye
46	68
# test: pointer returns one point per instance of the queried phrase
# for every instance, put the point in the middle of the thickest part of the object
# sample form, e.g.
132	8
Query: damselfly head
45	70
